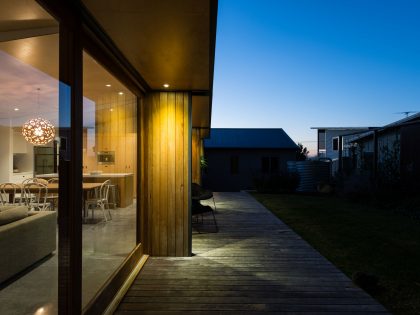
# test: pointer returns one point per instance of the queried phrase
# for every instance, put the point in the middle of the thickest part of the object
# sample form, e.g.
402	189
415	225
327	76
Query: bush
356	186
276	183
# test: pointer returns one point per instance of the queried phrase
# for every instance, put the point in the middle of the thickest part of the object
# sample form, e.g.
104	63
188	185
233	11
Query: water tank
311	173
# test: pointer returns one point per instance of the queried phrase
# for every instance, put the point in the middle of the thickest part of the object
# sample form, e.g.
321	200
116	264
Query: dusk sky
295	64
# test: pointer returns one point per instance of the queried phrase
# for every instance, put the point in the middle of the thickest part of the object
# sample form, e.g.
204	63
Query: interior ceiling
165	43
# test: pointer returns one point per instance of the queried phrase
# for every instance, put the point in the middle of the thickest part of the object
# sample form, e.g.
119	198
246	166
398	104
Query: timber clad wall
197	148
166	136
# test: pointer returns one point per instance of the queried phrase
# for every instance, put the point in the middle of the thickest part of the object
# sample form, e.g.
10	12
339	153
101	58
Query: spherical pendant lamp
38	131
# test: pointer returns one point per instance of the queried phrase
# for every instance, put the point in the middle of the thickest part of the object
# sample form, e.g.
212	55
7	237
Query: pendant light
38	131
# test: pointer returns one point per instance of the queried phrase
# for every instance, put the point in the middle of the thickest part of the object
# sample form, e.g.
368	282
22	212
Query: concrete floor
105	246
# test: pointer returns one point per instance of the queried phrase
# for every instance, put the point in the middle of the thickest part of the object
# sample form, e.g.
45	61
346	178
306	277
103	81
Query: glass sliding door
109	176
29	127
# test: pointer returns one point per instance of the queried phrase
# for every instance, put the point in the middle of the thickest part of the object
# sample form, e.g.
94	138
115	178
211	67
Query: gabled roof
247	138
405	121
344	128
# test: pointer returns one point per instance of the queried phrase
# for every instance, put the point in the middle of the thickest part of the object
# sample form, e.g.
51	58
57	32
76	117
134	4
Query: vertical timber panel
195	155
155	192
187	173
171	175
163	176
179	175
167	172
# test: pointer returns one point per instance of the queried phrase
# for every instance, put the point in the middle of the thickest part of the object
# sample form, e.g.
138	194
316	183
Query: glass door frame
79	31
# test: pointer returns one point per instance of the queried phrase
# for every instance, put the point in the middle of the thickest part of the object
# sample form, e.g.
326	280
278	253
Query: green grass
357	237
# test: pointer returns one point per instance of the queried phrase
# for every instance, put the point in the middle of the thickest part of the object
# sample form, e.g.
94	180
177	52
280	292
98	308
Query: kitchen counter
123	181
102	175
108	175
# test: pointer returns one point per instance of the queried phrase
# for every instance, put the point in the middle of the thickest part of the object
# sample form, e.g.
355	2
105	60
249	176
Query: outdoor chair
198	193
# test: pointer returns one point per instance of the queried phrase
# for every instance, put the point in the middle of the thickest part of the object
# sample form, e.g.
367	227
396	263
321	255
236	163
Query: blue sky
295	64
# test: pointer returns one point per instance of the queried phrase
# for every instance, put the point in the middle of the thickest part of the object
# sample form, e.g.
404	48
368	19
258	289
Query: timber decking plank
255	264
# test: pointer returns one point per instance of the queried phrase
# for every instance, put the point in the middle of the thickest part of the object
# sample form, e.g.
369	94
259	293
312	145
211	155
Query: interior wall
166	173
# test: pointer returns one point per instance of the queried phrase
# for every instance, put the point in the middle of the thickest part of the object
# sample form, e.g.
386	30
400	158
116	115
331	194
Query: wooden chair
35	196
101	201
53	197
10	193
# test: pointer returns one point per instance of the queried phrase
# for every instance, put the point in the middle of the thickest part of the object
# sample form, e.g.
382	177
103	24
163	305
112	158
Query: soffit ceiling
167	41
171	46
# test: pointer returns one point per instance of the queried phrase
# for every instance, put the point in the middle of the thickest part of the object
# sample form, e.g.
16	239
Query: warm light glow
108	85
38	131
166	85
16	109
111	109
121	93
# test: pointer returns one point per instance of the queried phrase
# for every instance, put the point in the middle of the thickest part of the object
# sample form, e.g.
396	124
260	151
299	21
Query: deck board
255	264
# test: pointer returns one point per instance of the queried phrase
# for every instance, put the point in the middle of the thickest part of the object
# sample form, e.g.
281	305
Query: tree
302	153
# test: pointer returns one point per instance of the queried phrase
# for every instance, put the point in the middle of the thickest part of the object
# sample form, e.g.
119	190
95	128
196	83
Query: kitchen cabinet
124	182
115	130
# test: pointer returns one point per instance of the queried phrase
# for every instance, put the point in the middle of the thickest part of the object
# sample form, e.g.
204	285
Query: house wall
410	158
329	136
218	176
166	173
196	152
390	140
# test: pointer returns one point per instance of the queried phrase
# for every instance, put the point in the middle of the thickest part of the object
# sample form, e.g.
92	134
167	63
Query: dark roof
344	128
273	138
403	121
395	125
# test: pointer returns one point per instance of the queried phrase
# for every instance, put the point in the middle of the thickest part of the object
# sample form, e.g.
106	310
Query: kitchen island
123	181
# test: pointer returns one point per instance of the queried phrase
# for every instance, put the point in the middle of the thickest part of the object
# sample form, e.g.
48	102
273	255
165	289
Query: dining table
54	188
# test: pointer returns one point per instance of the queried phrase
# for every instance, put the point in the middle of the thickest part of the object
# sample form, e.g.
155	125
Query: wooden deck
255	264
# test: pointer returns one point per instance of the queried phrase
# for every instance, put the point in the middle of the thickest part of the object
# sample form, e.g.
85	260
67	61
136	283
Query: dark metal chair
198	193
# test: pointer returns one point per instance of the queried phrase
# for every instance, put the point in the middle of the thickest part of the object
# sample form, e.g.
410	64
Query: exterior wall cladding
329	136
218	176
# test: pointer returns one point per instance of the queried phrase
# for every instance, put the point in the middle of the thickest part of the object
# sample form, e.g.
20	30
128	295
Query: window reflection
109	161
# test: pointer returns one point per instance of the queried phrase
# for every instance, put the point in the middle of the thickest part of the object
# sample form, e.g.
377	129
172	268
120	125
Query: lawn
359	238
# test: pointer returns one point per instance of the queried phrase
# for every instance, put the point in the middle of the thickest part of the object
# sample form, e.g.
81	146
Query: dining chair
35	196
53	197
24	182
10	193
29	180
100	201
40	180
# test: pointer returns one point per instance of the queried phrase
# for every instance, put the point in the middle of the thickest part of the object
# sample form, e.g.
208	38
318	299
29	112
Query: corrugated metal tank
311	173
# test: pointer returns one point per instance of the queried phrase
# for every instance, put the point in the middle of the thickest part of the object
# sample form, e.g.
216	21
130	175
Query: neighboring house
329	146
235	157
391	150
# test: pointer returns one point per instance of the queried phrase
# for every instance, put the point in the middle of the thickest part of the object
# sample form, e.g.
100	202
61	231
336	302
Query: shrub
276	183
